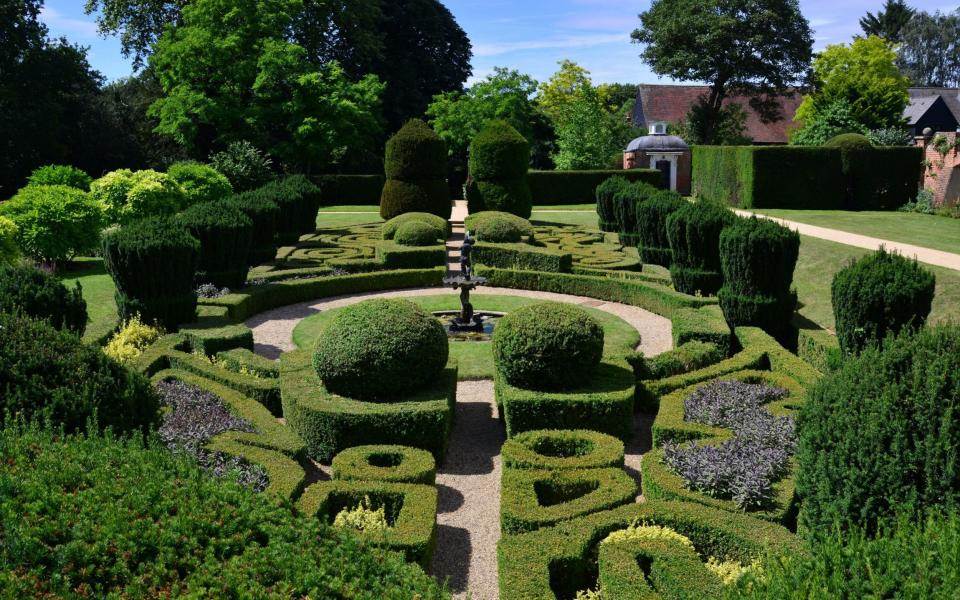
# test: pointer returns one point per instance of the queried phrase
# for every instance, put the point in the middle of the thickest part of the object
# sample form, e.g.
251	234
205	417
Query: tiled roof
924	97
670	103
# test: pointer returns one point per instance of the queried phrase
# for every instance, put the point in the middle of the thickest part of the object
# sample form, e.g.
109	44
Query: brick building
667	153
942	175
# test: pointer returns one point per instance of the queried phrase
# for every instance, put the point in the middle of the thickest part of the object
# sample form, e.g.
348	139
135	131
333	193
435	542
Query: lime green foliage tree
865	75
228	72
589	137
758	48
54	223
832	120
128	195
564	87
9	252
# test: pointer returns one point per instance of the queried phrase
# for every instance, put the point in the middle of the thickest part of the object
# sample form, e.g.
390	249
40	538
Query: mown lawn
98	291
929	231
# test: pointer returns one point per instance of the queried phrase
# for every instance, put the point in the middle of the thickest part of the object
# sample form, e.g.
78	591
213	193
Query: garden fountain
467	321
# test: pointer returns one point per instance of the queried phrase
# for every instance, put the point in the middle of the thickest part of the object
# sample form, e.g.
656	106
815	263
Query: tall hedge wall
578	187
882	178
351	189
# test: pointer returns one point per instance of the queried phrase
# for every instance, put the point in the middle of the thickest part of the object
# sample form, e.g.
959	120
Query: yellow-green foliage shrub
9	252
647	532
132	339
362	518
128	195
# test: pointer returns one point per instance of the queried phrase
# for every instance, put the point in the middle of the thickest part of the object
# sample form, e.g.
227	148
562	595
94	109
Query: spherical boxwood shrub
547	346
849	141
758	257
380	350
393	464
439	224
61	175
200	183
153	263
498	227
54	223
9	251
652	240
694	234
498	163
880	434
45	373
244	165
225	234
879	294
77	497
264	214
415	233
607	216
416	170
28	290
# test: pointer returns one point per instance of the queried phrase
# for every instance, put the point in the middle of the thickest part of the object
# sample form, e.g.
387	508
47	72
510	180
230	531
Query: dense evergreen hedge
579	187
879	294
416	170
416	233
386	463
880	434
758	257
45	373
264	213
299	200
557	449
522	256
153	263
498	227
38	294
626	203
352	189
225	234
651	227
605	192
498	163
79	496
694	234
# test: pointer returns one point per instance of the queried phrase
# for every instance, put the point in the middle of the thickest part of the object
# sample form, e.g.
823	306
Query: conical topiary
416	169
499	160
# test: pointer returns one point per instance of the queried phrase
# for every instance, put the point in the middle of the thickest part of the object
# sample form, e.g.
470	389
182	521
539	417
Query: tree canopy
930	50
758	48
889	22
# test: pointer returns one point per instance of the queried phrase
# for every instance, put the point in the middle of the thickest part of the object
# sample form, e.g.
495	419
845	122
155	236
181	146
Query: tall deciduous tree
889	22
930	50
757	48
588	136
563	88
865	75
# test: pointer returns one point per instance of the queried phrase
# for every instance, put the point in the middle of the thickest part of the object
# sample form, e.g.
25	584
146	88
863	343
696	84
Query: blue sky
529	35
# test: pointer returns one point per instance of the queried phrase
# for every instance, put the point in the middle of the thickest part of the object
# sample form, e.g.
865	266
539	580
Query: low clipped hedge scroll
411	512
654	569
578	187
524	257
558	449
387	463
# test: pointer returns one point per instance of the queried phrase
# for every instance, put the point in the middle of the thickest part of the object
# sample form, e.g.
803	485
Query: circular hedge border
389	463
562	449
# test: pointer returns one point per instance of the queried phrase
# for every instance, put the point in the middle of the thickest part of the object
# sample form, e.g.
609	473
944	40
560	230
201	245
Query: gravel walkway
468	482
273	329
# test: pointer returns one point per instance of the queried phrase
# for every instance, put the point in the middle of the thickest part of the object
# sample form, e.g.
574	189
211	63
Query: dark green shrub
758	257
522	256
351	189
45	373
562	449
200	183
153	263
299	200
380	350
880	434
35	293
225	236
579	187
879	294
441	225
499	159
416	170
244	165
264	214
855	565
416	153
685	358
79	496
626	201
415	233
498	227
605	193
652	240
694	235
547	346
54	222
386	463
849	141
61	175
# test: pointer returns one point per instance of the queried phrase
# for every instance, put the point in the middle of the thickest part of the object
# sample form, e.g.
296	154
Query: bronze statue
466	249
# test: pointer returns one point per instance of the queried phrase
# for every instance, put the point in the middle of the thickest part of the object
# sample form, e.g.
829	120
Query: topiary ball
849	141
200	183
441	225
415	233
380	350
415	153
548	346
498	227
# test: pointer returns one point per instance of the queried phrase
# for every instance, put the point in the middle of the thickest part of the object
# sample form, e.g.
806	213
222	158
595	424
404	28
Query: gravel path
468	482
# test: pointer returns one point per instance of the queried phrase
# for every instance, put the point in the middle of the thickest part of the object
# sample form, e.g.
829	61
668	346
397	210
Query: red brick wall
942	174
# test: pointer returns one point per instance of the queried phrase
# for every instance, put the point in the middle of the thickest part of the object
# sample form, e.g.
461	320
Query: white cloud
574	41
60	24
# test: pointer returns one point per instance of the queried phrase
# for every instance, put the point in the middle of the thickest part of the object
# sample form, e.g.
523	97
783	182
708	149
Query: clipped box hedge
704	324
387	463
351	189
213	336
397	256
329	423
532	499
254	300
818	347
605	404
559	561
411	512
523	257
578	187
670	425
243	358
654	569
558	449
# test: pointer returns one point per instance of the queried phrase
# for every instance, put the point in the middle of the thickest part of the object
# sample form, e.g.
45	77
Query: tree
930	52
589	137
757	48
563	88
728	129
228	73
865	75
830	121
889	22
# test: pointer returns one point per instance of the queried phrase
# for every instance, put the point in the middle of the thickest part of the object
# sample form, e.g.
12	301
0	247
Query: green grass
98	291
475	359
591	207
326	219
929	231
587	220
351	208
820	260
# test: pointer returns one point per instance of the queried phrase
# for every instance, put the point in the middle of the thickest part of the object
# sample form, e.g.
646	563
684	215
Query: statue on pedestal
466	249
